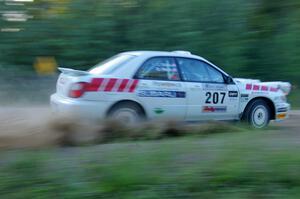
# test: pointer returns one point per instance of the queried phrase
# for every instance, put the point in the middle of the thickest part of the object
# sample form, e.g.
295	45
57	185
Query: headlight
280	99
283	98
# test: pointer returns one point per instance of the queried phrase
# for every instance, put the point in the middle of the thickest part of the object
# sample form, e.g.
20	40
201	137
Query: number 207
215	97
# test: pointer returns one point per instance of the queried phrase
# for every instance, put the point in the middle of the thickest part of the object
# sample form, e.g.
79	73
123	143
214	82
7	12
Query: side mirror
228	80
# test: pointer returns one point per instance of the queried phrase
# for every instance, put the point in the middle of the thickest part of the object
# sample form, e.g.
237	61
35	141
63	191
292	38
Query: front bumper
83	109
282	111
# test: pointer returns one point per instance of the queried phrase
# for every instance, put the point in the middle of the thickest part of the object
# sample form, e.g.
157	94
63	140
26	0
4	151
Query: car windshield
110	64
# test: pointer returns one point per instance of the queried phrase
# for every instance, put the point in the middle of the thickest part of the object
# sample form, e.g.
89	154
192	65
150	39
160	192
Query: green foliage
246	38
294	98
219	166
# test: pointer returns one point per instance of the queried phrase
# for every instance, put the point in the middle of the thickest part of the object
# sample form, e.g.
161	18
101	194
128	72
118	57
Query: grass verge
294	98
244	165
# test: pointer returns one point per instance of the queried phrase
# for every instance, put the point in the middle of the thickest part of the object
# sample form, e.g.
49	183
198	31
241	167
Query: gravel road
23	127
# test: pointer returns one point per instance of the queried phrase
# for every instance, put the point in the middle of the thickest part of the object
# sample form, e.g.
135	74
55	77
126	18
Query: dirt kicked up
36	127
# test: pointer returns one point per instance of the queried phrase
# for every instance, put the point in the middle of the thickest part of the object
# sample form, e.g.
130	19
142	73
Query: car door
160	89
209	97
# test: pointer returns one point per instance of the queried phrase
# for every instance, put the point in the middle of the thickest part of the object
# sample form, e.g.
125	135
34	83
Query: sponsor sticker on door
214	109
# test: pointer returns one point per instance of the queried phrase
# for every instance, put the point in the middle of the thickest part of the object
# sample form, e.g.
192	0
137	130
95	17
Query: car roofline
184	54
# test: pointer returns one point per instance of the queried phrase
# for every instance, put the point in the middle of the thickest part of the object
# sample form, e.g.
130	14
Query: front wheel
258	114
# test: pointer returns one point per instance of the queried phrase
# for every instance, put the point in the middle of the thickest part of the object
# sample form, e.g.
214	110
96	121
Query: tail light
78	89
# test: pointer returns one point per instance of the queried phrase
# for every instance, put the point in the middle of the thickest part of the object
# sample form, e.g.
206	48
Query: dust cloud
38	127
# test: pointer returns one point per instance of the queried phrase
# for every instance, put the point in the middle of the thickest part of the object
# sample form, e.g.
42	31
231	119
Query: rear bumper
83	109
282	111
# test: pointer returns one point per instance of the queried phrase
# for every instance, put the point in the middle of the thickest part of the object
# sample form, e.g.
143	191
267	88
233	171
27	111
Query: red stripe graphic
255	87
123	85
133	85
95	84
110	85
264	88
248	86
273	89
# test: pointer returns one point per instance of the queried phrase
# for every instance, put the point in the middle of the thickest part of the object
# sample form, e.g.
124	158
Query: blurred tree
247	38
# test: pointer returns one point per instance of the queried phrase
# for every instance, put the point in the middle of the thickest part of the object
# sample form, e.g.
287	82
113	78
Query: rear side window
159	68
110	64
198	71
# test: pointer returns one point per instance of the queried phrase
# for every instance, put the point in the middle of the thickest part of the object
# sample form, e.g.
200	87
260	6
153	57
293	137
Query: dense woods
253	38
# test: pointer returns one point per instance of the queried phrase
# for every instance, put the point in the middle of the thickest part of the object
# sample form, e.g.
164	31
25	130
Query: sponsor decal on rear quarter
166	84
157	93
159	110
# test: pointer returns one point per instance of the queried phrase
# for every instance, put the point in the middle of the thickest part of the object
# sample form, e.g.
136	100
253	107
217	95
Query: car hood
284	86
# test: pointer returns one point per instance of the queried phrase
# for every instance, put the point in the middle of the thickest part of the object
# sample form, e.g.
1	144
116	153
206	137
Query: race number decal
215	97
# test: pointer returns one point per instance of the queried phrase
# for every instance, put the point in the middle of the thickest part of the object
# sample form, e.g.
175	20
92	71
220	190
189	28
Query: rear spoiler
73	71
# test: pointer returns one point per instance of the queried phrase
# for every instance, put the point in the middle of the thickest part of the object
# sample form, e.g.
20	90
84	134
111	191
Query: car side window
193	70
159	68
198	71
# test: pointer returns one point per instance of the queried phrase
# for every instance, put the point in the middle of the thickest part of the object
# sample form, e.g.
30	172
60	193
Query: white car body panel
173	108
196	101
164	99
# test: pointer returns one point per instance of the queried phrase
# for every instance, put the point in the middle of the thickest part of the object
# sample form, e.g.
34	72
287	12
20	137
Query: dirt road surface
36	127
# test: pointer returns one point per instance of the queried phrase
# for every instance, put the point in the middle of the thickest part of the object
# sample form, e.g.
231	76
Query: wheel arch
269	102
123	102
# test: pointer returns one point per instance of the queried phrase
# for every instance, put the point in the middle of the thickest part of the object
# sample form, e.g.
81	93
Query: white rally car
167	85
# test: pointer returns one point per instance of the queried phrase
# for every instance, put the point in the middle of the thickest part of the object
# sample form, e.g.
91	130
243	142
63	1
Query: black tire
126	113
257	114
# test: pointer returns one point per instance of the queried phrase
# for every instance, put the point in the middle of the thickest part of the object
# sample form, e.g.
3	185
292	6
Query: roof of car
179	53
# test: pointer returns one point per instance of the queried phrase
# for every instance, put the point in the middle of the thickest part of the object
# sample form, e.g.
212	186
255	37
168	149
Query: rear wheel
126	113
257	114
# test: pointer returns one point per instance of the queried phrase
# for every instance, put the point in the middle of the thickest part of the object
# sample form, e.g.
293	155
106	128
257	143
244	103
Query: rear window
110	64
